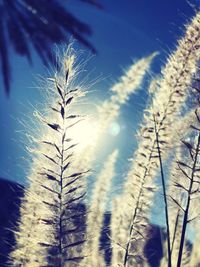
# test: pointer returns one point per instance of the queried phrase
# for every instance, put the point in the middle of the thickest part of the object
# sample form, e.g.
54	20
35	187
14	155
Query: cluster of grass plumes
59	228
164	111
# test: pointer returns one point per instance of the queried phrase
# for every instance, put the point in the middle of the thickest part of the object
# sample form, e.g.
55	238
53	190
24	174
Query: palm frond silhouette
37	25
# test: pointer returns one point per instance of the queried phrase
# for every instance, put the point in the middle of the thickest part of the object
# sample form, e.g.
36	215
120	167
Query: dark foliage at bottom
10	195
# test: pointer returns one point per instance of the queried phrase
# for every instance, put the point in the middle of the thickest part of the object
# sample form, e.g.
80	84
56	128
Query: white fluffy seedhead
51	227
128	84
97	209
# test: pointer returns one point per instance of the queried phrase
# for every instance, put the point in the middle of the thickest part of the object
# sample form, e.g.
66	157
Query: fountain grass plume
97	209
51	230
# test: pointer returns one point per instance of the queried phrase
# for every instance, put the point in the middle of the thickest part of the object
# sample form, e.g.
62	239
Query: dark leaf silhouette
59	90
62	111
93	2
54	126
69	100
33	24
4	58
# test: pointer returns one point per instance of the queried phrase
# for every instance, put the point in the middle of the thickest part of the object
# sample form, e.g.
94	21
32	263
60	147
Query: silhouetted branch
39	25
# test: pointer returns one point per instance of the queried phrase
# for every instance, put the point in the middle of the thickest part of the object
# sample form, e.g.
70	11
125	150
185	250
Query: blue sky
122	31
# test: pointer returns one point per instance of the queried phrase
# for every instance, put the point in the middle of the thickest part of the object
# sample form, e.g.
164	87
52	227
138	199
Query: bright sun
85	133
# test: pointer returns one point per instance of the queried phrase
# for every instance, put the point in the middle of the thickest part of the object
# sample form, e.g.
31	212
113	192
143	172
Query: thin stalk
165	197
186	213
135	212
61	190
131	228
175	230
61	207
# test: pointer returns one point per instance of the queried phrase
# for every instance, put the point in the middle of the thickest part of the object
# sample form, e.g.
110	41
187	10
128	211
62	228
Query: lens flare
114	129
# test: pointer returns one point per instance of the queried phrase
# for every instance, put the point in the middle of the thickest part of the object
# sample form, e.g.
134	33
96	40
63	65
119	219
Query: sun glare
85	133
